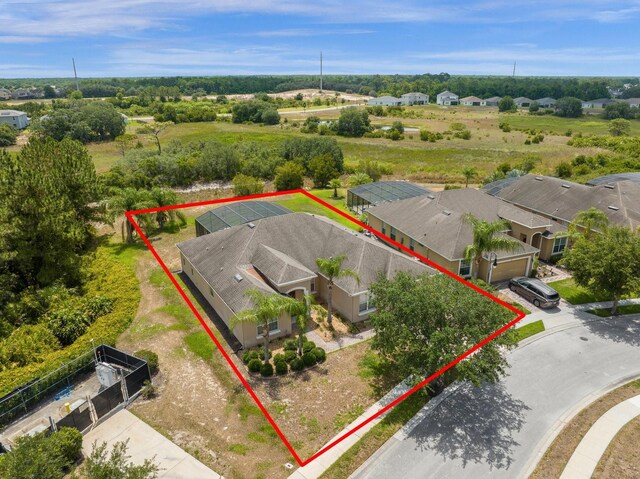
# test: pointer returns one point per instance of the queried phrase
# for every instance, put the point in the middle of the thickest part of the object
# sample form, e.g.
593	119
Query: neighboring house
414	98
434	227
385	101
599	103
522	101
17	119
561	200
447	98
633	102
5	94
278	255
546	102
362	197
471	101
493	101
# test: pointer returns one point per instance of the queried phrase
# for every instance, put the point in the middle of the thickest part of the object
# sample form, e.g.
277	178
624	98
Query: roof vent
431	197
251	225
538	178
564	185
609	186
446	212
238	278
614	208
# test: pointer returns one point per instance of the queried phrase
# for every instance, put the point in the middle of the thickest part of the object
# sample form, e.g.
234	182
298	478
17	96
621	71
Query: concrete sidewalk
145	443
593	445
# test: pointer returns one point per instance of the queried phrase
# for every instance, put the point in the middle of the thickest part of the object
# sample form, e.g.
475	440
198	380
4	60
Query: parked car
535	291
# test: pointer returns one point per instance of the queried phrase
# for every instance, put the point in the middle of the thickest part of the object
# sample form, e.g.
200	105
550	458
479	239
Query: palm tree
162	197
335	184
487	237
589	221
129	199
268	306
469	173
332	269
301	311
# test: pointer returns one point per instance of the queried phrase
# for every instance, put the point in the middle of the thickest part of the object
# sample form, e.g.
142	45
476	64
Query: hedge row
107	276
283	362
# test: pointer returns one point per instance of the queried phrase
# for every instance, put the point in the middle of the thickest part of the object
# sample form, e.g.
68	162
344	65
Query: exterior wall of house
19	122
519	231
345	305
246	332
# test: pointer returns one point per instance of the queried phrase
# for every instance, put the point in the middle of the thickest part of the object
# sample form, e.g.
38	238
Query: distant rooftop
615	178
383	191
237	213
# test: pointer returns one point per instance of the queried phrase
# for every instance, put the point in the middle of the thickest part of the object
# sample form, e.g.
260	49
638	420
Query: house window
273	326
465	268
559	244
393	233
402	240
312	287
384	229
411	244
366	302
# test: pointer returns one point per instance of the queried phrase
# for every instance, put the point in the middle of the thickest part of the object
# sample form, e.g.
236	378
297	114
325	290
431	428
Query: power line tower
75	74
321	70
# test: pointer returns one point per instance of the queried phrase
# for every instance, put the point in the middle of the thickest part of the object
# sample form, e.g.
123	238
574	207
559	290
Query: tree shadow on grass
473	425
619	329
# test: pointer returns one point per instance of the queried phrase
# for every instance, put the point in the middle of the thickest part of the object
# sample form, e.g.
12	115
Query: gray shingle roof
285	248
563	199
437	222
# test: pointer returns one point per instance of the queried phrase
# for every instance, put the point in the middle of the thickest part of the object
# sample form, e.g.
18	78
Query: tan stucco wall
245	332
517	230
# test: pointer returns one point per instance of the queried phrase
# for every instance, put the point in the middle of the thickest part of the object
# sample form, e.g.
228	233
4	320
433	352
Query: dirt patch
621	460
556	457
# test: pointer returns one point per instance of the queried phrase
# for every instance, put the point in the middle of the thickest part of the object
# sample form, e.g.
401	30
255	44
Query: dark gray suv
535	291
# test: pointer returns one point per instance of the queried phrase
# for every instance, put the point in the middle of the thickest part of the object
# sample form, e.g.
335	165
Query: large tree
607	264
569	107
353	122
8	135
130	199
422	323
289	176
267	308
331	268
586	222
488	237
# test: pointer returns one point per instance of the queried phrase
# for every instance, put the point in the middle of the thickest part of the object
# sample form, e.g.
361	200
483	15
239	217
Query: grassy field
441	161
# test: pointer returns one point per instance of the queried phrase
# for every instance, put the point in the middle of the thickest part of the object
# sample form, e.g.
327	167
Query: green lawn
301	203
587	125
529	330
626	309
574	294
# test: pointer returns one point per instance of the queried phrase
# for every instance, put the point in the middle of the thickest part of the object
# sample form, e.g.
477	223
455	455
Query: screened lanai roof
382	191
614	178
238	213
496	187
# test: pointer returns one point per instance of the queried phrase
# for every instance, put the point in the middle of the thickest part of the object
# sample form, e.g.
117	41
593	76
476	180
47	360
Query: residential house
546	102
471	101
447	98
561	200
522	102
414	98
278	255
385	101
599	103
434	226
20	94
5	94
633	102
17	119
493	101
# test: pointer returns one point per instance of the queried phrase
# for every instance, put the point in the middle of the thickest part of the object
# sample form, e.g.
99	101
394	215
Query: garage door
508	269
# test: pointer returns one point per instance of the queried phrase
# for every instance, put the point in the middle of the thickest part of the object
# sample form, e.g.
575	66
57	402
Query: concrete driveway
146	443
499	431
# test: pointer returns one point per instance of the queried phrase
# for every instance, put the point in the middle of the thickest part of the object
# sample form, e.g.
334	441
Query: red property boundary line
519	314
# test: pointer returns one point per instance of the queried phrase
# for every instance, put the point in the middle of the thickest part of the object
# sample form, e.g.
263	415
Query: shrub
457	127
67	443
504	127
290	356
309	359
249	356
564	169
279	358
290	345
308	346
281	368
148	390
266	369
320	354
297	364
255	365
465	134
150	357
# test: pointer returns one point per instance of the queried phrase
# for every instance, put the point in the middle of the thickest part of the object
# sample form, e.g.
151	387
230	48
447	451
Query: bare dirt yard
619	458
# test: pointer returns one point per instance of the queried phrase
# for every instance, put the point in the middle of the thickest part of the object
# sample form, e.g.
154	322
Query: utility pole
514	69
75	74
321	70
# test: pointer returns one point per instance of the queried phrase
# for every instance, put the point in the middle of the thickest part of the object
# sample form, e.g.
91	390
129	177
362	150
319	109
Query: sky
117	38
